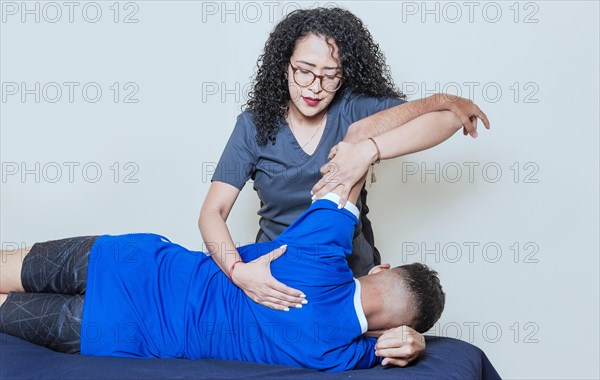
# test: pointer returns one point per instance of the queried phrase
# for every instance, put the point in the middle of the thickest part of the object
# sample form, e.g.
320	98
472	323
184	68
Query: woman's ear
379	268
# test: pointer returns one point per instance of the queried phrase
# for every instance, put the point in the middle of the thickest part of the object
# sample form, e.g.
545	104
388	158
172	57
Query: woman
320	80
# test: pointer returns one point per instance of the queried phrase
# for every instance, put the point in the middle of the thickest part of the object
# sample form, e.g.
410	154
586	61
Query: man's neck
370	298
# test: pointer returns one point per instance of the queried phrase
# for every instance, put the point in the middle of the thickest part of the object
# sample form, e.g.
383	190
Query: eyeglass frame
294	69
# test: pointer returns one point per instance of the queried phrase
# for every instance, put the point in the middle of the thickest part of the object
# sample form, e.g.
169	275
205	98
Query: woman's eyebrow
313	65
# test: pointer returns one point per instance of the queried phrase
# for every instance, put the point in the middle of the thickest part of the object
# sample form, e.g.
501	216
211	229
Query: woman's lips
311	101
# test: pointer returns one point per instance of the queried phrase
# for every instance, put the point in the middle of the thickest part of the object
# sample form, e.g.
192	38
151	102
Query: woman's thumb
278	252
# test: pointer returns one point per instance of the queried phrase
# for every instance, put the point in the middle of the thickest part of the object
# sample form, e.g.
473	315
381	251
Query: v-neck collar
301	153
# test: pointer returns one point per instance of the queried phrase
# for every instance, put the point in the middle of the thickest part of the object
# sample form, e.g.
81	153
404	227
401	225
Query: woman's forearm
217	238
388	119
394	117
419	134
349	161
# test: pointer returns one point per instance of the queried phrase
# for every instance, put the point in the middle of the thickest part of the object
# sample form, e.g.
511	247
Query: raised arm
254	278
350	159
393	117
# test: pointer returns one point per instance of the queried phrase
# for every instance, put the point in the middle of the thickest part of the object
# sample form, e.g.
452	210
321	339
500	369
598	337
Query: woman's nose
315	87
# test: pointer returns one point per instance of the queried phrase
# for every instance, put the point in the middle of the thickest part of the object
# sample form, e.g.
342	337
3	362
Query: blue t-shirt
149	297
284	173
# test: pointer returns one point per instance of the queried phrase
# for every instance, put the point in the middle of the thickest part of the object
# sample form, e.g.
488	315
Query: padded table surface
445	358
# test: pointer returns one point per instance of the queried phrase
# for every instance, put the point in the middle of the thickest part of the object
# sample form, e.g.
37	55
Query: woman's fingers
276	253
274	299
279	301
332	152
329	180
296	294
469	126
474	121
344	196
318	186
286	294
328	167
275	306
281	294
328	186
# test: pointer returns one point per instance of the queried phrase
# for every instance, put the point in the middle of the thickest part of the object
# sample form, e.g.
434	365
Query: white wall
515	240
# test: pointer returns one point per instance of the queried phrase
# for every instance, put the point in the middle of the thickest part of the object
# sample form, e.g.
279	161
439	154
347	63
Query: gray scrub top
284	174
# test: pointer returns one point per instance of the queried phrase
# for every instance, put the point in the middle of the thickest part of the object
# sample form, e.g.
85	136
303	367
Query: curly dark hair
364	69
426	290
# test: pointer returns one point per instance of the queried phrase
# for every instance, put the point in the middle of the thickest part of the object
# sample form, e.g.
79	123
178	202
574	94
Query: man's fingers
483	118
391	343
401	332
404	352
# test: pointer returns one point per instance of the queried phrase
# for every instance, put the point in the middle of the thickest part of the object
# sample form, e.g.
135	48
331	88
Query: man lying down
140	295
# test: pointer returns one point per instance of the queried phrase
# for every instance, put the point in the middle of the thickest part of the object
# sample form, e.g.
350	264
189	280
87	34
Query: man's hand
255	279
348	164
467	111
400	346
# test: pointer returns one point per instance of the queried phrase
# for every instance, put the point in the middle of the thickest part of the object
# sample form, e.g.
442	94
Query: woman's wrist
371	150
231	268
378	151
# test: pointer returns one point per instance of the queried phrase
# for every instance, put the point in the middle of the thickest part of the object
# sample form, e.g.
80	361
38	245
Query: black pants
54	276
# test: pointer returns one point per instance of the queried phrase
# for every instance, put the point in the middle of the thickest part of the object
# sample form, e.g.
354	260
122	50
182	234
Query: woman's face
312	53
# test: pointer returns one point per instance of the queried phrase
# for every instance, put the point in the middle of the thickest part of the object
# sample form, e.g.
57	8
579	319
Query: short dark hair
427	294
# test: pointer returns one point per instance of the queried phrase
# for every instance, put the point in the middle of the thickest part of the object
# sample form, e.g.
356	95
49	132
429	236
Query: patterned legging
54	276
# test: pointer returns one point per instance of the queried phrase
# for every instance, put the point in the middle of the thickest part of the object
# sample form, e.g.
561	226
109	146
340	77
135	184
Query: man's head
405	295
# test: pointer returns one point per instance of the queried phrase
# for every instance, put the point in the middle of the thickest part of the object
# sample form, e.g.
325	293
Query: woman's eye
304	71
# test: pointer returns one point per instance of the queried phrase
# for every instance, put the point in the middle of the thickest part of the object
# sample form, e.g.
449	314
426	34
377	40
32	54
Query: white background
510	219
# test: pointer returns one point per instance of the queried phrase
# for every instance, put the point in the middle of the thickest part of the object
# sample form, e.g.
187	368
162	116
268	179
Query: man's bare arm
386	120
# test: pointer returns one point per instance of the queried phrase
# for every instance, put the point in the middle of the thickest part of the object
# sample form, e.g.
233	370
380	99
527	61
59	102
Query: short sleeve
238	160
355	107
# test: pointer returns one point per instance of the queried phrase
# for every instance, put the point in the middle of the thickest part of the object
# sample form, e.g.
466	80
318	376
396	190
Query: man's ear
379	268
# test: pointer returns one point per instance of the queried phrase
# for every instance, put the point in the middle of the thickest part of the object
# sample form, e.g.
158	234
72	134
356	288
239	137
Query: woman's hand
348	164
255	279
400	346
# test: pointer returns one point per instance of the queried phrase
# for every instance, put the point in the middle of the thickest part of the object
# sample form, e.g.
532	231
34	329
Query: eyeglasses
305	78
